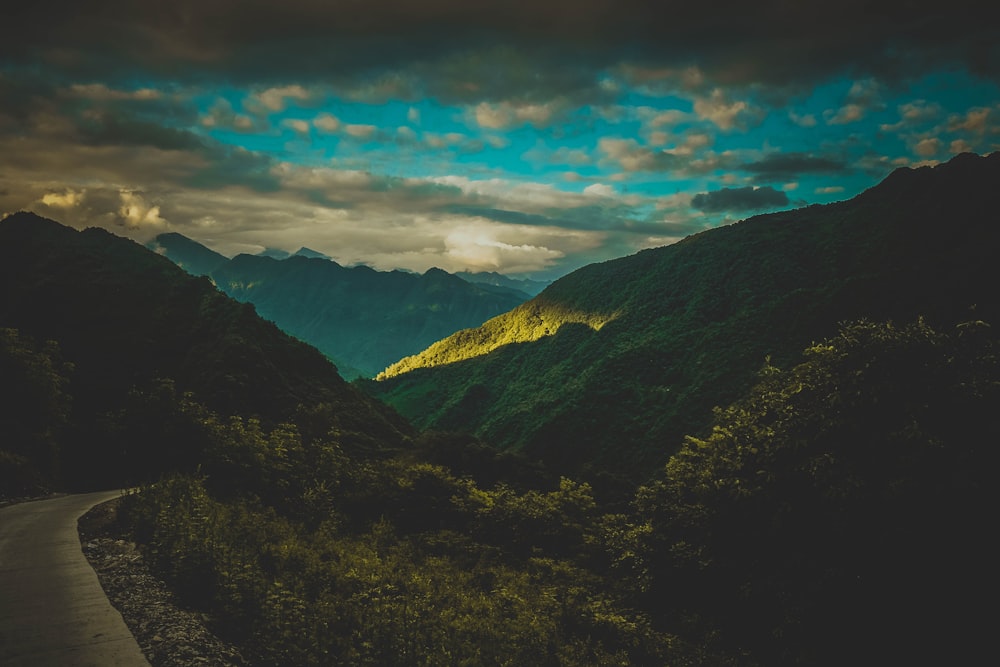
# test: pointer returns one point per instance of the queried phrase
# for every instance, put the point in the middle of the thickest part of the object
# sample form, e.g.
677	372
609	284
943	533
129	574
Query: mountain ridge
693	322
131	326
360	318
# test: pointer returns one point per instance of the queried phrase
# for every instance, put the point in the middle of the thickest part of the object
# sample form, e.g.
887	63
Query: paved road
53	611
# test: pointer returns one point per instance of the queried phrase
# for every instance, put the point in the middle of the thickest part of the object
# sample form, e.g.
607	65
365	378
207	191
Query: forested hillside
840	508
607	368
360	318
102	338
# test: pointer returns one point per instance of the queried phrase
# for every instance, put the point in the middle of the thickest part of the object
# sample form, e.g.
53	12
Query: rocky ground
168	635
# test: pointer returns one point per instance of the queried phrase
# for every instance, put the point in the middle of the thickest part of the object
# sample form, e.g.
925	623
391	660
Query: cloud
739	199
136	213
727	114
101	92
327	122
65	199
599	190
396	43
631	156
276	99
221	115
912	114
803	120
829	190
864	96
789	166
977	120
506	115
297	125
363	132
928	147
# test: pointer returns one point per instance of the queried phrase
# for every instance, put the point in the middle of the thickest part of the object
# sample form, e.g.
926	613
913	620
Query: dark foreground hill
360	318
612	364
126	322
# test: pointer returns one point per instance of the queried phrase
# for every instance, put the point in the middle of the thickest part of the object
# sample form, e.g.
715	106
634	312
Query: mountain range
611	365
362	319
123	323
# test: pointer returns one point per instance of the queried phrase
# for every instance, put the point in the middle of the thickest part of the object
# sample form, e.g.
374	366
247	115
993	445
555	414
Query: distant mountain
124	319
360	318
310	253
274	253
611	365
529	287
190	255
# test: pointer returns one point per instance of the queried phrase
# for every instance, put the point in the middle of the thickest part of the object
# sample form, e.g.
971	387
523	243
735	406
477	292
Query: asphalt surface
53	611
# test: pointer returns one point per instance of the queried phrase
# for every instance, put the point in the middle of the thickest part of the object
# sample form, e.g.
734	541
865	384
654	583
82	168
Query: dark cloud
739	199
542	48
120	130
789	166
234	166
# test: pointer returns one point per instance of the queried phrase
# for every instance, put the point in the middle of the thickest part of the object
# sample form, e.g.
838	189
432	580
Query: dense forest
105	333
839	509
604	371
833	508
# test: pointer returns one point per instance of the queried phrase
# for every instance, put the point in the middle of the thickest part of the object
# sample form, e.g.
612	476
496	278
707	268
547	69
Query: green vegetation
687	326
840	509
131	335
360	318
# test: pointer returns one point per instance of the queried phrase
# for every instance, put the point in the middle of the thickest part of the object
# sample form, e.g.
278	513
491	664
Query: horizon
526	140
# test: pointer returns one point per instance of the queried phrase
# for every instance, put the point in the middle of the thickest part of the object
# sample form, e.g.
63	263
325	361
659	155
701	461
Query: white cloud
137	213
413	115
803	120
475	247
927	147
974	120
360	131
296	124
725	113
276	99
66	199
599	190
960	146
505	115
849	113
829	190
326	122
633	157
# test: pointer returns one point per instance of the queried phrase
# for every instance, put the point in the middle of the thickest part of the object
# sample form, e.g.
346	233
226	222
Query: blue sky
528	138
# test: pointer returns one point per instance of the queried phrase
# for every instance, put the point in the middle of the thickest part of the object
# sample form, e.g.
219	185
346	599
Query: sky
529	138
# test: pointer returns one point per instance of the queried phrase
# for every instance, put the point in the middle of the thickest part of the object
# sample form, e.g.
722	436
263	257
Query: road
53	610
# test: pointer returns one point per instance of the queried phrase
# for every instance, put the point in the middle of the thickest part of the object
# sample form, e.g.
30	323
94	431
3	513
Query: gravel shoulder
168	635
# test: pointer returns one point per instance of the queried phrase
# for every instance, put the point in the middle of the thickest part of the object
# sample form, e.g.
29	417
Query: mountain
362	319
125	321
611	365
494	279
310	253
190	255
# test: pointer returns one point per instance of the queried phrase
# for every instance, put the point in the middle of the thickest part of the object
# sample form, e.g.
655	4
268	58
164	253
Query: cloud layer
516	136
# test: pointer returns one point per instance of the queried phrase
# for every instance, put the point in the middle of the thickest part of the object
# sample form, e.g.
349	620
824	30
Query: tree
34	411
842	508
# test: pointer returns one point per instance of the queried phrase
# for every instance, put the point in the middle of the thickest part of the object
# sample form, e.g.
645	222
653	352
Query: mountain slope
126	318
612	364
190	255
360	318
